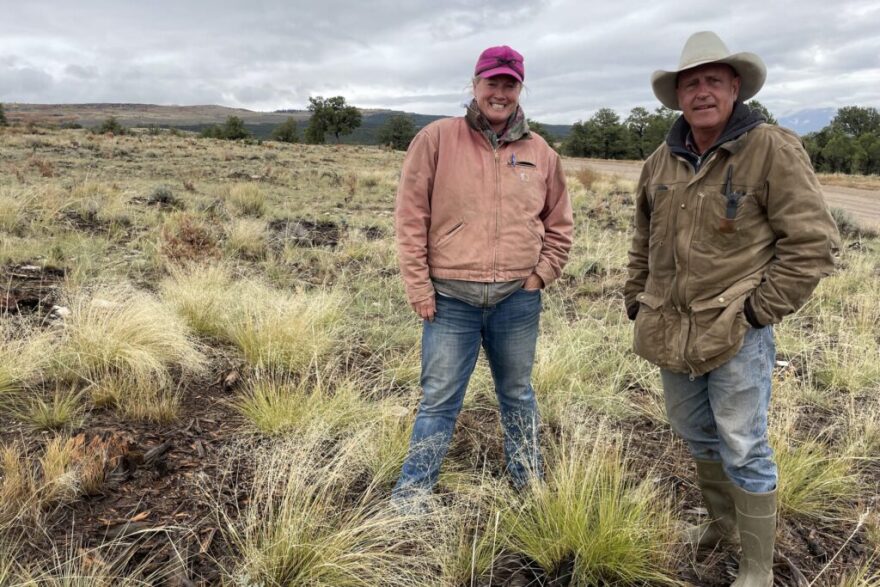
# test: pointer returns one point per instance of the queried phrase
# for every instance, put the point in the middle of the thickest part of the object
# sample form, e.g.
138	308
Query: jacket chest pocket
524	184
730	220
661	211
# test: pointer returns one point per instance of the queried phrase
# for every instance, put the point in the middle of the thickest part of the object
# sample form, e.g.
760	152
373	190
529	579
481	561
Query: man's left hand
533	282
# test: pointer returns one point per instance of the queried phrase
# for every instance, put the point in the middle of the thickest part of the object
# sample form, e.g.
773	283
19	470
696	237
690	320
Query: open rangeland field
858	195
208	373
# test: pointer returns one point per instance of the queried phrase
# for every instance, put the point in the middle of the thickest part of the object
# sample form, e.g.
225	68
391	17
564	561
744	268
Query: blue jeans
722	415
451	343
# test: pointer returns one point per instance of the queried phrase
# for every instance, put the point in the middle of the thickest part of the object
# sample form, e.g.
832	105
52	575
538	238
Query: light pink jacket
466	211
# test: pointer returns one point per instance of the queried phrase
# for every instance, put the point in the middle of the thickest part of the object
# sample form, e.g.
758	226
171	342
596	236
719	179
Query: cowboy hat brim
748	66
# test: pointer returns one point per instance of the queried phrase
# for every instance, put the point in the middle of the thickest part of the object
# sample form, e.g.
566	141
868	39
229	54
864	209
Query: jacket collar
517	127
742	120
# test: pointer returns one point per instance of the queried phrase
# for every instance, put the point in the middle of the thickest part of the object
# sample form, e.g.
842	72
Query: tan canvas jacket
467	211
702	247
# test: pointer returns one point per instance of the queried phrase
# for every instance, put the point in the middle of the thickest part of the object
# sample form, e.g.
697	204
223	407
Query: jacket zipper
497	213
681	289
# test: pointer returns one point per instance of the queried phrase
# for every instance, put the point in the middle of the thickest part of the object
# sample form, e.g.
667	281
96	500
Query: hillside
196	118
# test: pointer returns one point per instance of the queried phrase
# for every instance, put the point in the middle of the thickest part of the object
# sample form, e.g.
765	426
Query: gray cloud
418	56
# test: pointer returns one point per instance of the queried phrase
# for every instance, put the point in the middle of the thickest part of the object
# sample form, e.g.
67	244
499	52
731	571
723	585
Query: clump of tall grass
302	527
185	237
117	330
113	563
849	362
865	575
62	409
590	364
276	331
23	357
848	226
31	485
203	295
247	238
473	538
281	332
617	527
14	207
247	198
813	482
97	202
276	405
137	399
387	446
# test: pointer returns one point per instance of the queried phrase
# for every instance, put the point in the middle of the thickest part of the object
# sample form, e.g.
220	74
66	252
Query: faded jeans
722	415
451	344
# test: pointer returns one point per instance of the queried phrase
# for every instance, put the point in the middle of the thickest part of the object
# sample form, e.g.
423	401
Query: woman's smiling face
497	98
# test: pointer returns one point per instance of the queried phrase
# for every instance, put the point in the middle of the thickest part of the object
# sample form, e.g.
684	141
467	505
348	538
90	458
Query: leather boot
715	487
756	522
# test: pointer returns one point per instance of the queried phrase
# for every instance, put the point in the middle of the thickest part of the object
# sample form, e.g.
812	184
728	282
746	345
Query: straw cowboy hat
702	48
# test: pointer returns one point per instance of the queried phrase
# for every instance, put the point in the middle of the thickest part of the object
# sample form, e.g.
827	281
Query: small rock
61	311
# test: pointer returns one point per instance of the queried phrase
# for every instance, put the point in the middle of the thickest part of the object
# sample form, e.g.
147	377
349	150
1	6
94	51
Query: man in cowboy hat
731	235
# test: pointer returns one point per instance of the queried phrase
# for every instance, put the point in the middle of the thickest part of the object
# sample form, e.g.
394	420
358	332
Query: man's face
706	95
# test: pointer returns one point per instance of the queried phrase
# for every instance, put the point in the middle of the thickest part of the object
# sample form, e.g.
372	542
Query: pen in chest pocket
728	223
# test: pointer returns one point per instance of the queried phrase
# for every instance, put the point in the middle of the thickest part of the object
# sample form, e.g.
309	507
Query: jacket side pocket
649	331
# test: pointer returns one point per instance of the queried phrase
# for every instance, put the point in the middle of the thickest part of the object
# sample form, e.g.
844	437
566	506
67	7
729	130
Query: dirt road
864	205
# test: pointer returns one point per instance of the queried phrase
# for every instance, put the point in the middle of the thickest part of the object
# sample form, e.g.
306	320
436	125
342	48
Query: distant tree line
850	143
2	116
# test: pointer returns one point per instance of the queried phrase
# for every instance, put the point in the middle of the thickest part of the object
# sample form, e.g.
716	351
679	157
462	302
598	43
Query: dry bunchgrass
97	202
281	332
302	527
203	295
276	331
186	237
587	176
118	330
113	563
590	365
387	444
814	480
247	238
616	528
276	405
473	538
14	206
24	355
31	485
866	575
247	198
62	409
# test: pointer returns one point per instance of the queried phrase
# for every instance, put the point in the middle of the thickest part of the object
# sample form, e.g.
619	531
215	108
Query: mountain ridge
197	117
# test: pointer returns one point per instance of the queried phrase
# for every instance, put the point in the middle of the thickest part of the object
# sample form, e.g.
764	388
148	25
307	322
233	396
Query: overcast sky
419	55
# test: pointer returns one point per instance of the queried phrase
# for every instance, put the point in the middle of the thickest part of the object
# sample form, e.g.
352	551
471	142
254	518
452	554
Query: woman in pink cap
483	224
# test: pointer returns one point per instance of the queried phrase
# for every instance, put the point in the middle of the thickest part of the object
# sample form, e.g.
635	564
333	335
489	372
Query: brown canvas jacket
692	267
467	211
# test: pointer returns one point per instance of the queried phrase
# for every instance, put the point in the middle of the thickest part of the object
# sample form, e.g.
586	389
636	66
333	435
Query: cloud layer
418	56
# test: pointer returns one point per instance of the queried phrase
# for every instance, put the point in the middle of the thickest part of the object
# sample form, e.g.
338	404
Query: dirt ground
863	204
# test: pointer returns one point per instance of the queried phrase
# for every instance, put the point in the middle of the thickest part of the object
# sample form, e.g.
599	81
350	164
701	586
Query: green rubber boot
756	521
715	487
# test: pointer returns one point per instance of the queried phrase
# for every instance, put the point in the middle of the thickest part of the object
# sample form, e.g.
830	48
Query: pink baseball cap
500	61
